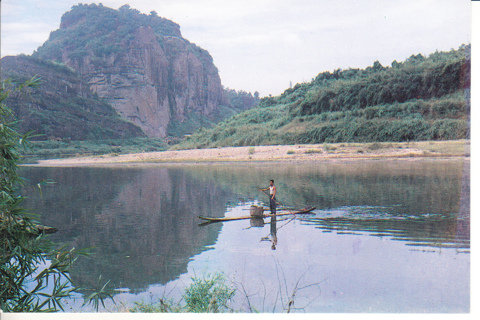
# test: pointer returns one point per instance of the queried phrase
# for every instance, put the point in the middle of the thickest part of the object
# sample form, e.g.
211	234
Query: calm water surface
387	236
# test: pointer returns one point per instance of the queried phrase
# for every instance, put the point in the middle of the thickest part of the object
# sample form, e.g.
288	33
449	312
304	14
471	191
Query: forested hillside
421	98
62	106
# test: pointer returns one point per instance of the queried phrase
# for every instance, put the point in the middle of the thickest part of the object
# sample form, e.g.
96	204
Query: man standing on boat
273	192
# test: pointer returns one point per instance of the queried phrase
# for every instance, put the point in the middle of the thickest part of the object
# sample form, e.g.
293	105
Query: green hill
62	107
422	98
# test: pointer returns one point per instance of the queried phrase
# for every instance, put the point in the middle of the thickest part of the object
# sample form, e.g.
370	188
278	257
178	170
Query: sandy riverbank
314	152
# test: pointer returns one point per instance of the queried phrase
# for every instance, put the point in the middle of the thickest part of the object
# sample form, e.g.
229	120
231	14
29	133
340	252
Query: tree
24	286
377	66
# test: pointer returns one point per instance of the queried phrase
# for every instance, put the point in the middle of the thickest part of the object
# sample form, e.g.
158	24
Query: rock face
138	63
62	106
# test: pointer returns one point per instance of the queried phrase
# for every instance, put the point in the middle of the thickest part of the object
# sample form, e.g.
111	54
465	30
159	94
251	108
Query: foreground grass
215	293
208	294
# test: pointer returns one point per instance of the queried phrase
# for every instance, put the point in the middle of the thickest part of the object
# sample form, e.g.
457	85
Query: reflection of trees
414	187
395	188
77	195
143	223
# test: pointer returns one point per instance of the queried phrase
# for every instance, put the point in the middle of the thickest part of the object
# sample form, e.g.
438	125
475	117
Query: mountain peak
94	16
140	64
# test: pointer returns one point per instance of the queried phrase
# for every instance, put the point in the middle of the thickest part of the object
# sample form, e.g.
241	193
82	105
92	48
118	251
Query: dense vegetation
239	102
242	100
422	98
208	294
62	107
27	282
68	148
97	34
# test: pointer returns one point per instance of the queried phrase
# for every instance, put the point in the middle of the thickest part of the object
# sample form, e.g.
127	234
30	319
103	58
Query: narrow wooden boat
301	211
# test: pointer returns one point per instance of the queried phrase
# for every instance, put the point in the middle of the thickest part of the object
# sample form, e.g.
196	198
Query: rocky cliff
138	63
62	106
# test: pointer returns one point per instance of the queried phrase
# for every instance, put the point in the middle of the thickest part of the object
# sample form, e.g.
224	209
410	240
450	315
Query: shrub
375	146
209	294
328	147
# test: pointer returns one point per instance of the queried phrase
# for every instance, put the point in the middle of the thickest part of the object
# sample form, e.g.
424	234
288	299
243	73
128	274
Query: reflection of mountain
143	223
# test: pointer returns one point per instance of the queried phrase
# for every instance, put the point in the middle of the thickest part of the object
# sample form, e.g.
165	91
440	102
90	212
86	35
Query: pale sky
263	45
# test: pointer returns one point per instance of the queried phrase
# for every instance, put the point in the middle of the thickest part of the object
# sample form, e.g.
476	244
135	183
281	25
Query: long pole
269	196
273	200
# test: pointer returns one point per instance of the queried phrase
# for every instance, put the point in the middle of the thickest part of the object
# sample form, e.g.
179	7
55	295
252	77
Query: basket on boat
256	211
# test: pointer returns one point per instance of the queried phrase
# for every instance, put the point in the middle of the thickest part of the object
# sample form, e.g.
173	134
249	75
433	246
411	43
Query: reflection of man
273	192
273	231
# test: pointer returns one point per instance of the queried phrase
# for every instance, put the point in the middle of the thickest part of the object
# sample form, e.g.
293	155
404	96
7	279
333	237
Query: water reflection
144	227
420	187
273	231
272	237
142	223
431	230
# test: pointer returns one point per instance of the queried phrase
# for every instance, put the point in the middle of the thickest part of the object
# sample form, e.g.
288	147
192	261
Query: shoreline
336	152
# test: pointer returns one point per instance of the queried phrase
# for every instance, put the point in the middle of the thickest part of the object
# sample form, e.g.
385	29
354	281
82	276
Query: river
386	236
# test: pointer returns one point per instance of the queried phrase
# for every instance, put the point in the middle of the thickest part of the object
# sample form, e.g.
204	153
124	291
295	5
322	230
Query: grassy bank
62	149
419	120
